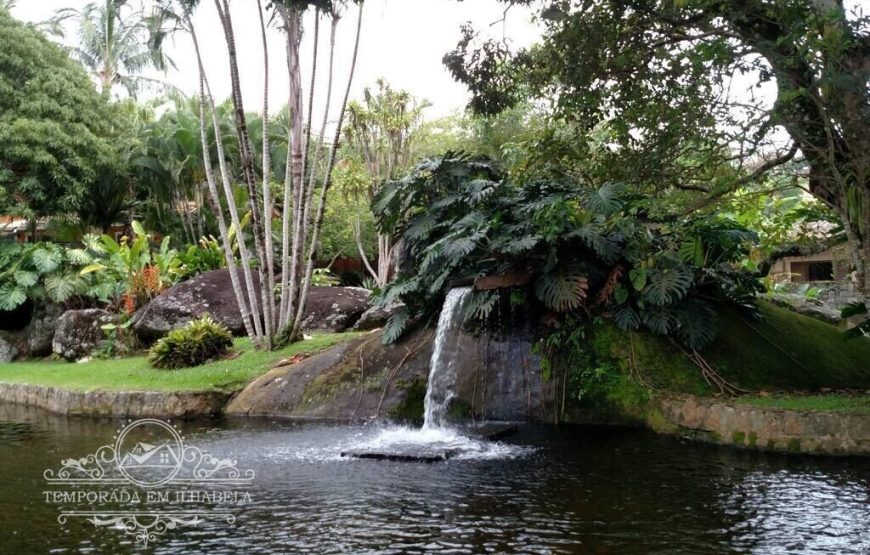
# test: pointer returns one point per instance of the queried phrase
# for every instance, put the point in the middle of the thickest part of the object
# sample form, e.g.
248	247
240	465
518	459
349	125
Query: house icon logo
149	452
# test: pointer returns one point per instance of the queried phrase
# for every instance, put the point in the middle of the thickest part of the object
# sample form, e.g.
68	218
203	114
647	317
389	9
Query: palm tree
113	43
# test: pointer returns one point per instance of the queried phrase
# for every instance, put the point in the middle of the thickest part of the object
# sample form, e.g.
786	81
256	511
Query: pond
544	490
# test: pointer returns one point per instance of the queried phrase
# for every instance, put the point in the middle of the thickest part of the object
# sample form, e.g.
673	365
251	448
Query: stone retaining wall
119	404
762	428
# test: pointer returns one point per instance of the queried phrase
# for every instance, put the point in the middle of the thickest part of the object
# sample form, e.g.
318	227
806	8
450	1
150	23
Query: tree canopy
54	127
660	79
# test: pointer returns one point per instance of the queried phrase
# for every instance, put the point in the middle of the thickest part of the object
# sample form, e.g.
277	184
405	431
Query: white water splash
442	368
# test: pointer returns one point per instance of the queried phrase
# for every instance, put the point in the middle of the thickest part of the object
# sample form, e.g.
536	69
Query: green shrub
196	343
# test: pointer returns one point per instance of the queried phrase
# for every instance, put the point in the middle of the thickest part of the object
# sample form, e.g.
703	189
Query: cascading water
442	372
435	438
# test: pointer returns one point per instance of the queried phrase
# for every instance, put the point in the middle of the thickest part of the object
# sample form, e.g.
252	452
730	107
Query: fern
562	292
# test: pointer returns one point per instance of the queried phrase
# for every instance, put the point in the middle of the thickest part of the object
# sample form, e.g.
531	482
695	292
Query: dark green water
546	490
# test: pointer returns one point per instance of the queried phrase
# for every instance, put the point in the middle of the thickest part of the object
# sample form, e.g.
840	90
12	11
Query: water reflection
568	490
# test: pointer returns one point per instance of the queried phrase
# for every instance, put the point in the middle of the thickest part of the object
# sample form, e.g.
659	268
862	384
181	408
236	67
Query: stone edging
118	404
762	428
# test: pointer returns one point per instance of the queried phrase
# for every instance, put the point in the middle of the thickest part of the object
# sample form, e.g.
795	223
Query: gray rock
330	309
334	309
8	352
79	332
376	317
807	307
40	330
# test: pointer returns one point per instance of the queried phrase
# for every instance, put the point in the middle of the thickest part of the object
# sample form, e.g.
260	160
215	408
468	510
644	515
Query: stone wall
768	429
118	404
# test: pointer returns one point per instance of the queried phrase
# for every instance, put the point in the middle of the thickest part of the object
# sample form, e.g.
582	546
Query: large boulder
8	352
497	378
331	309
334	309
79	332
208	293
40	330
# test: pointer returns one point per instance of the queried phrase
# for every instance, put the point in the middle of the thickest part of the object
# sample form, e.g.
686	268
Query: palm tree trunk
245	149
303	214
268	292
292	177
219	214
234	214
327	181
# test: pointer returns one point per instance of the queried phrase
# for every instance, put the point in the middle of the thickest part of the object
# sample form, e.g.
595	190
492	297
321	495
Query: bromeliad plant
583	251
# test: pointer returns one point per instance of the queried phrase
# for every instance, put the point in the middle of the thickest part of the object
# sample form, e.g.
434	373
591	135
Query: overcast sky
402	41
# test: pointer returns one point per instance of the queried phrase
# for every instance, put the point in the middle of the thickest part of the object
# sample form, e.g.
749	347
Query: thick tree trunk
210	177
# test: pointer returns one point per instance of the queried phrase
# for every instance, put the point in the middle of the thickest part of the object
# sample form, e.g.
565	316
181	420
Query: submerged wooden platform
400	457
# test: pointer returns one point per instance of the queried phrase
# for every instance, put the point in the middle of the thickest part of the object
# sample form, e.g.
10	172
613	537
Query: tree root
710	375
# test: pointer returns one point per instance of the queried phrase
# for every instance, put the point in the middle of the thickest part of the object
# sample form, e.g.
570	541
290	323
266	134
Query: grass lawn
859	404
135	374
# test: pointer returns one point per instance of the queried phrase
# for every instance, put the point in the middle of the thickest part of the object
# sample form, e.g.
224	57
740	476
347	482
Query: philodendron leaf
12	297
638	278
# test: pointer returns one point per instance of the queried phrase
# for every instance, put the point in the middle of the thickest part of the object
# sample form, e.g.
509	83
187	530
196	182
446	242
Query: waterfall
442	373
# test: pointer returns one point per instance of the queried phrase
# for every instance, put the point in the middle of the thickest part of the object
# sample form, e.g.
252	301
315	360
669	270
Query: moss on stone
738	438
753	439
793	445
657	421
459	410
782	351
410	409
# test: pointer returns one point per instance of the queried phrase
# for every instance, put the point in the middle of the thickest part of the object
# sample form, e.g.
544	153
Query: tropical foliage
113	43
382	131
139	272
122	275
196	343
55	129
582	251
665	79
46	272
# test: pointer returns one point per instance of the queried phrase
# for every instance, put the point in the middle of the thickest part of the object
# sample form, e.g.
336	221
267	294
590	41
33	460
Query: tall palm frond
114	43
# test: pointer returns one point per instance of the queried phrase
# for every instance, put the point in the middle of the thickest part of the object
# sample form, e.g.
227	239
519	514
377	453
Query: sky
402	41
